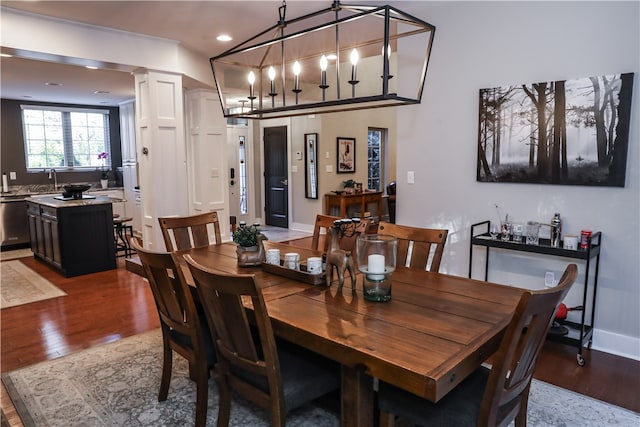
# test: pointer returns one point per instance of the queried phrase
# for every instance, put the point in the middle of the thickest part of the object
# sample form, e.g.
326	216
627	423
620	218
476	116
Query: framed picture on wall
565	132
346	153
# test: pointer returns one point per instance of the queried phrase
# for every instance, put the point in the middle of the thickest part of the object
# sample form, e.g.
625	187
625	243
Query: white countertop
52	202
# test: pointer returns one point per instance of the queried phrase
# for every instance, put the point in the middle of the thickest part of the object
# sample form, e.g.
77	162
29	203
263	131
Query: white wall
488	44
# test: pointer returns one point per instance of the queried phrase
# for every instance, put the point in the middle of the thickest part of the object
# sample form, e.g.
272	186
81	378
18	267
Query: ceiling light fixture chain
282	13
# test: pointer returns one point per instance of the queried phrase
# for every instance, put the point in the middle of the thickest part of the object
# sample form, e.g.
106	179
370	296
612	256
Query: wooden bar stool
121	233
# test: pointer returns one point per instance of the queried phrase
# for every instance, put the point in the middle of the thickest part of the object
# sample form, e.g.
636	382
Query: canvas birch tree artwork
569	132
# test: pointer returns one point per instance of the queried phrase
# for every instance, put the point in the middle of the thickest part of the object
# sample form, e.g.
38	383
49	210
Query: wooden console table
344	201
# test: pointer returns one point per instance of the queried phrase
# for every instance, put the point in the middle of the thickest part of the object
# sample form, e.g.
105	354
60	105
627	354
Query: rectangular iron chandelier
345	57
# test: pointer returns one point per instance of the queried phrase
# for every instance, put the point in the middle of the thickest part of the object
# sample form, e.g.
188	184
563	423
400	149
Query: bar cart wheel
581	359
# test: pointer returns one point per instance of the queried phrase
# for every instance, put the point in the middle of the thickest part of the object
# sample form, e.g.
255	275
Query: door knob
284	182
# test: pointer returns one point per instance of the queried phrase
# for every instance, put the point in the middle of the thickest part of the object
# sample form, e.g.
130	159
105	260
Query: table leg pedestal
357	397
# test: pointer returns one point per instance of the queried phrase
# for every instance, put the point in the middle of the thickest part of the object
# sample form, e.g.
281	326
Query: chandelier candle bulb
296	73
252	80
272	76
354	64
323	71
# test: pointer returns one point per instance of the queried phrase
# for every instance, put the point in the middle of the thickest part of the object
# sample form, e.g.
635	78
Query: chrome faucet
53	172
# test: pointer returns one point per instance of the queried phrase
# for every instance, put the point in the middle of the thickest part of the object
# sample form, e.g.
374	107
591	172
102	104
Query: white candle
376	263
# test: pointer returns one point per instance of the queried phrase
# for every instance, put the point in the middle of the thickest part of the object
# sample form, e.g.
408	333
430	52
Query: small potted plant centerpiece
349	185
250	249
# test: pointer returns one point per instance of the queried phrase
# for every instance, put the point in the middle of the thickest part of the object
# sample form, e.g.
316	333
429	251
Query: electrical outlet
327	155
549	279
294	168
329	168
411	178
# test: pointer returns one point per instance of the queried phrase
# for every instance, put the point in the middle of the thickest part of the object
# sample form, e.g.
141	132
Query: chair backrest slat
420	248
188	232
174	301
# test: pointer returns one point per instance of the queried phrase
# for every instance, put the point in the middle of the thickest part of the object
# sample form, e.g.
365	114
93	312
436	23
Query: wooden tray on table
301	275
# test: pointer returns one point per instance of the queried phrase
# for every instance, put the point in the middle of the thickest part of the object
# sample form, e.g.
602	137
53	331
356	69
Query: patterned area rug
21	285
117	385
15	254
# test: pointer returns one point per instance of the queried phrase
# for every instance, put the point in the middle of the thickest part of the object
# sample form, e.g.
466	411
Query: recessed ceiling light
53	84
91	67
99	92
224	38
27	96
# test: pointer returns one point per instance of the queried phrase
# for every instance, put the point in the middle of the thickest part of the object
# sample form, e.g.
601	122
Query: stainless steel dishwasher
14	223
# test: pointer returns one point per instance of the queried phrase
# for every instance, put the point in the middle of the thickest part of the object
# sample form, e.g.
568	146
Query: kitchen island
75	236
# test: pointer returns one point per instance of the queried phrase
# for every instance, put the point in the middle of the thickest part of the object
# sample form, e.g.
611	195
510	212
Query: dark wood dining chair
186	232
277	377
324	222
417	246
183	329
490	396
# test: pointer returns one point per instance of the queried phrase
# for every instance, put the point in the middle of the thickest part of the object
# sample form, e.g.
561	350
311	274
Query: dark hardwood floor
107	306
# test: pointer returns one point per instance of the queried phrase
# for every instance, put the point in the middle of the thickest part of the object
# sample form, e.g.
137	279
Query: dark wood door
276	175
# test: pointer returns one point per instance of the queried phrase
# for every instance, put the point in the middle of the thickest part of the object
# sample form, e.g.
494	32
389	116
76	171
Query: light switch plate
329	168
549	279
294	168
12	175
411	178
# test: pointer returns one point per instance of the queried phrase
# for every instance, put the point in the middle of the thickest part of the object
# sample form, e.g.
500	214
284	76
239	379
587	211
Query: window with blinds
65	138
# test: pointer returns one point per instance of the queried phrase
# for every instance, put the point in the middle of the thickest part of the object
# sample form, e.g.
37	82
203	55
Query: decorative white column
161	144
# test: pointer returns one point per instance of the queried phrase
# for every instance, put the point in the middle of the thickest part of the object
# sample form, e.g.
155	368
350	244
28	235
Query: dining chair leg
278	414
167	365
224	404
202	396
521	418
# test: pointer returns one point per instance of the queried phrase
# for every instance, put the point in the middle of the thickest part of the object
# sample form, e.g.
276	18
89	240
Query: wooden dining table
434	332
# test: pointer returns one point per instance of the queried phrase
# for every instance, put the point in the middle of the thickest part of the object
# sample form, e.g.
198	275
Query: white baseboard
297	226
620	345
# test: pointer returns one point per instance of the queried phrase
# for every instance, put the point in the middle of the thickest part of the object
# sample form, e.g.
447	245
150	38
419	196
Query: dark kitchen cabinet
43	230
76	238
